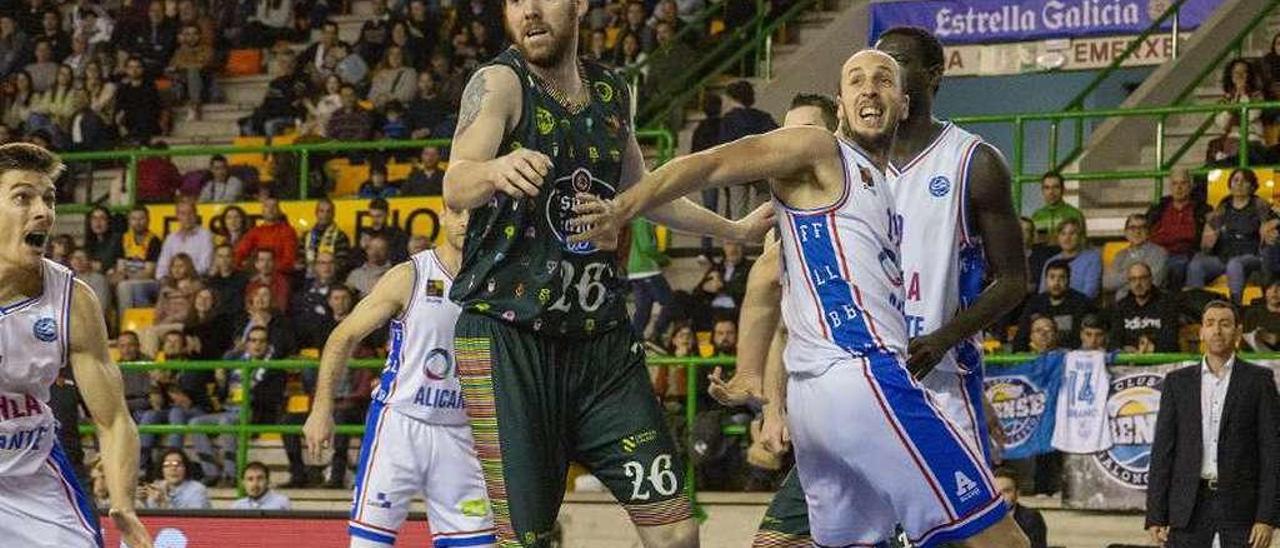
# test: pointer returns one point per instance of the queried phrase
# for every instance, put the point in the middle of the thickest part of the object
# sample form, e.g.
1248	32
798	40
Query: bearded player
550	370
416	439
898	458
48	319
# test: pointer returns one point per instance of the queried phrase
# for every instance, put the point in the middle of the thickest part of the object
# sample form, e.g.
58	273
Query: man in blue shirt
257	489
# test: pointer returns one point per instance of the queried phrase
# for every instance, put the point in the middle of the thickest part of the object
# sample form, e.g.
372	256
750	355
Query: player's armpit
491	105
387	299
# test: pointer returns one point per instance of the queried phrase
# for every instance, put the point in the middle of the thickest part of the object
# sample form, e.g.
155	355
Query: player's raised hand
923	354
597	218
318	432
741	390
521	172
754	226
131	529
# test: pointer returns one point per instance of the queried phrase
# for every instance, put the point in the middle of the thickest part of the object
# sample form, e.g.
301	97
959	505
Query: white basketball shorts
959	396
873	450
401	457
47	508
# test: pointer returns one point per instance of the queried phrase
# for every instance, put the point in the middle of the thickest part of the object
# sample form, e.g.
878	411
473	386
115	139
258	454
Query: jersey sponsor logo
438	365
45	330
630	443
1131	408
435	289
939	186
380	500
1019	404
439	398
966	488
563	197
23	439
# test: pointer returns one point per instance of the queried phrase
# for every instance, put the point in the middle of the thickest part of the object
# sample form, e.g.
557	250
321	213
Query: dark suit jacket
1248	447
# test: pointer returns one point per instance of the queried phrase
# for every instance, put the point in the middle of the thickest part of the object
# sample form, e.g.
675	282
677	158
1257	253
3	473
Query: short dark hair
257	465
380	204
1007	473
1052	174
217	158
712	105
824	103
1219	303
1094	321
743	92
1060	264
1070	221
140	207
1134	217
29	157
259	250
1249	177
130	333
934	56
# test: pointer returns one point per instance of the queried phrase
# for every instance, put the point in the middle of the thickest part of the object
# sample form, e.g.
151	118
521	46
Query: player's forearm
119	439
669	182
468	184
686	216
775	373
333	365
758	321
992	304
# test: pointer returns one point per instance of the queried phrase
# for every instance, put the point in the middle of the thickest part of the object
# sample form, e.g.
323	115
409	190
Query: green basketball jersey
517	264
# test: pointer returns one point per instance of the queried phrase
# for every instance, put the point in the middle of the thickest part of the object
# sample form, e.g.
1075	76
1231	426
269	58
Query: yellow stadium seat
398	172
309	353
346	177
717	27
137	319
1109	251
1219	286
298	403
1219	181
1251	292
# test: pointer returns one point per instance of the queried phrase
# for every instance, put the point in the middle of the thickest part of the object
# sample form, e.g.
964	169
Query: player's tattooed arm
102	389
991	203
387	299
490	110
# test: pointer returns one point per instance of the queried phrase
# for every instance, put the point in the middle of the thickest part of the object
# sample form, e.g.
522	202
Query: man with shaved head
897	458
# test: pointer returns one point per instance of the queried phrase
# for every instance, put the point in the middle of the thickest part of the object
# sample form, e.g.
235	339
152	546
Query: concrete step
245	90
213	129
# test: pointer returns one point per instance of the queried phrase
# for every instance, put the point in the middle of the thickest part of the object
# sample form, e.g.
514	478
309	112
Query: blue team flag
1025	398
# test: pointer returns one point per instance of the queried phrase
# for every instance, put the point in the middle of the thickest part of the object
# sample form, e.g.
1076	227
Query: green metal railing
1160	168
244	430
661	139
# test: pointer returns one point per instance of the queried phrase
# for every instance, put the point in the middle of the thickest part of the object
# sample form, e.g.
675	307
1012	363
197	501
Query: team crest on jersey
563	196
939	186
438	365
45	330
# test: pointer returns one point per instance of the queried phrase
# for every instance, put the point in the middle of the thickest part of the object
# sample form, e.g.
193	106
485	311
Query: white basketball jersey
1081	421
942	260
842	283
421	379
33	348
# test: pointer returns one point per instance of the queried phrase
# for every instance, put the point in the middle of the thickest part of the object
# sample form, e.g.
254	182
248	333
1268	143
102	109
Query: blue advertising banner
993	21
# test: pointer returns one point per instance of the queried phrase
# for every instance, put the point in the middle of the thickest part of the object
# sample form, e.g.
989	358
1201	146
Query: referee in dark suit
1216	456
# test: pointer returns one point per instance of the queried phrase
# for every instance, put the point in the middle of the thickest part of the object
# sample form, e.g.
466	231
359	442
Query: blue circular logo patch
45	329
1132	408
939	186
1019	404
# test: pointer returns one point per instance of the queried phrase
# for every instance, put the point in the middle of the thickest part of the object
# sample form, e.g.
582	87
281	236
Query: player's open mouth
870	114
535	32
35	239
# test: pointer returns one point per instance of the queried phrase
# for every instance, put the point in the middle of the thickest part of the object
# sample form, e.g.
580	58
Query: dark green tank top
517	264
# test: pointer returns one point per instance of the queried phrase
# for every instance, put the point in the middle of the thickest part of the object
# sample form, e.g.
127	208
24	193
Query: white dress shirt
1213	396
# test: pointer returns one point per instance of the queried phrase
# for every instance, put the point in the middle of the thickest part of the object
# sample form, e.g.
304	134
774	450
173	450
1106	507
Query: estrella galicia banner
1116	479
994	21
1024	397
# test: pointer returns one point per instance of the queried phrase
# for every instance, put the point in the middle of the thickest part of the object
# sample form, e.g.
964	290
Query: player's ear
906	107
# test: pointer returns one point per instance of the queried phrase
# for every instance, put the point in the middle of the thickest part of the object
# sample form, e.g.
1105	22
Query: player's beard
563	45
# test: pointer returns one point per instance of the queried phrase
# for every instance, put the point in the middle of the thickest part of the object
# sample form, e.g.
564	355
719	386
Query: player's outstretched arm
491	106
686	215
757	321
990	195
387	299
782	154
102	389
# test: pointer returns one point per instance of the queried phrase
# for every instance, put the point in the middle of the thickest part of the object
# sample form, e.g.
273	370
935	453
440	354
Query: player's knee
682	534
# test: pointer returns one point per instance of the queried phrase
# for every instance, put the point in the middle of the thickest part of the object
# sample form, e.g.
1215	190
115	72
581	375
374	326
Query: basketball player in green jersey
551	371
